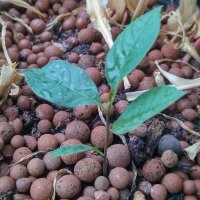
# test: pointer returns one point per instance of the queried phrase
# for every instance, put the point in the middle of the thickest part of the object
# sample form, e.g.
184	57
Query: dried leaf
99	20
24	4
193	150
177	81
159	78
131	5
118	6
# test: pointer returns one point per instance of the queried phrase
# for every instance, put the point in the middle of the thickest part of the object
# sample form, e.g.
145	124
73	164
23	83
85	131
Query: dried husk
24	4
177	81
8	71
118	6
187	13
139	9
193	150
99	19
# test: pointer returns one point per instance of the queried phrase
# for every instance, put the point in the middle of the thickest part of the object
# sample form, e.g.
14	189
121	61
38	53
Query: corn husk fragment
187	47
99	19
118	6
193	150
24	4
187	13
8	72
137	7
177	81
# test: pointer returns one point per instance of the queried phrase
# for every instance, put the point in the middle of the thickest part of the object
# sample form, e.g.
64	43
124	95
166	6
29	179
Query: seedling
67	85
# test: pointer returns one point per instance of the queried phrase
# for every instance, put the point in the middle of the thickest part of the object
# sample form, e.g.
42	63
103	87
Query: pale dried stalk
99	20
23	4
21	21
175	80
193	150
182	125
61	172
24	158
51	24
140	8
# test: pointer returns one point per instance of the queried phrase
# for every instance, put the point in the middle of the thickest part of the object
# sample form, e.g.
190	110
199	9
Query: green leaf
146	106
131	46
70	149
63	84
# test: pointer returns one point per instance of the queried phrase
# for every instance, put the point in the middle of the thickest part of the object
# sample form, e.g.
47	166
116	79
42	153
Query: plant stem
105	161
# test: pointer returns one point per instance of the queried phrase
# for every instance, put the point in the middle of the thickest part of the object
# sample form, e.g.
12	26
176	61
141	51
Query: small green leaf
131	46
146	106
63	84
70	149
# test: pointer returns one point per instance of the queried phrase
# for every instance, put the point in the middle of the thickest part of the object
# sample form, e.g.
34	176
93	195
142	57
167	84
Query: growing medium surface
149	161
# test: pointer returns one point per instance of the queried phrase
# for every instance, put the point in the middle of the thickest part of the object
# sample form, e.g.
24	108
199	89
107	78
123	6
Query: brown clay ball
44	126
121	105
169	51
6	184
140	131
36	167
86	61
41	189
155	55
83	112
96	48
18	171
118	155
195	172
101	183
189	187
17	141
145	187
21	153
60	138
46	142
190	197
98	137
68	186
101	195
89	191
1	143
42	5
173	183
73	158
153	170
94	74
23	185
86	35
17	125
37	26
189	114
169	159
81	22
87	169
44	111
183	104
6	131
7	151
51	163
24	102
119	177
77	130
69	23
158	192
114	193
31	142
60	118
51	51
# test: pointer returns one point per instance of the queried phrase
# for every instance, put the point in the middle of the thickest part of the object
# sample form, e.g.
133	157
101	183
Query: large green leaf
146	106
70	149
131	46
63	84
